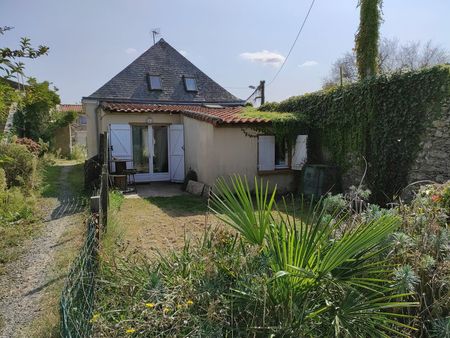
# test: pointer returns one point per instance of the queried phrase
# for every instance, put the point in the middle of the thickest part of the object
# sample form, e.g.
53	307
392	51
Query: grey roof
131	85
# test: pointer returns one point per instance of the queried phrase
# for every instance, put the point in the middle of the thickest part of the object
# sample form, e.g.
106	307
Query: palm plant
324	277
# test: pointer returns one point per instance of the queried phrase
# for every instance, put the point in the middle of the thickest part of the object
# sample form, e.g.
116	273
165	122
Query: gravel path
24	284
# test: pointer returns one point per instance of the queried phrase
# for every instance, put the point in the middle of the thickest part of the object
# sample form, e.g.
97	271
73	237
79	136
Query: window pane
191	84
280	153
155	82
160	158
140	148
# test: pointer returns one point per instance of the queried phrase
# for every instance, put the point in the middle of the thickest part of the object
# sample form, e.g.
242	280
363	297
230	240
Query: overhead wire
293	45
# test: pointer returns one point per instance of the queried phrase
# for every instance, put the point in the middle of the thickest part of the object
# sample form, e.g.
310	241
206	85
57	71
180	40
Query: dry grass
47	324
159	224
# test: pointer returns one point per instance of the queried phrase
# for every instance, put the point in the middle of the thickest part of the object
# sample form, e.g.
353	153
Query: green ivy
381	118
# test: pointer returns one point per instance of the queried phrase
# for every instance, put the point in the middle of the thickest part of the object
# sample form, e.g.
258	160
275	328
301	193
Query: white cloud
309	64
130	50
183	52
265	57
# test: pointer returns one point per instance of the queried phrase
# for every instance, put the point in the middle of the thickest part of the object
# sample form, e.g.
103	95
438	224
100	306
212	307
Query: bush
32	146
19	165
78	153
14	206
278	276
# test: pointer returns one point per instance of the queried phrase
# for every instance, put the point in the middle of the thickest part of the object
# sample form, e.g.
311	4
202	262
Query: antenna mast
155	32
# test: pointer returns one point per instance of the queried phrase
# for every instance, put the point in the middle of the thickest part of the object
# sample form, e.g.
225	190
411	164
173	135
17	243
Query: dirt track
26	280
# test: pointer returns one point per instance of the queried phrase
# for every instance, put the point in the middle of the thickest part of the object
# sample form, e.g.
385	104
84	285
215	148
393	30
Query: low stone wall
433	160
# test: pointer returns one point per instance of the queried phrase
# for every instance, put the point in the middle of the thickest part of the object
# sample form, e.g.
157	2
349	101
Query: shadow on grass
176	206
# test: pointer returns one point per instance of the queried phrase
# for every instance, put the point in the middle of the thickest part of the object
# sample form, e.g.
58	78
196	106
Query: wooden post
262	85
104	198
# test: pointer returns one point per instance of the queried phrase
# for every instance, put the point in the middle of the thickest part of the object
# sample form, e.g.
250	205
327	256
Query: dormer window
190	83
154	82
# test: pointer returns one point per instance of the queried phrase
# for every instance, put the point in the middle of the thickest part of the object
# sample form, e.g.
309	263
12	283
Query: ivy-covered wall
381	119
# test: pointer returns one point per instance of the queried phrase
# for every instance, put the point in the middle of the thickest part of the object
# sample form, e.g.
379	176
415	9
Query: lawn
156	224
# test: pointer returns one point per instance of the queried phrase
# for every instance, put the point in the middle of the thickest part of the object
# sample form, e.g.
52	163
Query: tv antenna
155	33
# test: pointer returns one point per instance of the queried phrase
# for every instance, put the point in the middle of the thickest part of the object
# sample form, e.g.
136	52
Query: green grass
252	112
182	204
76	179
50	185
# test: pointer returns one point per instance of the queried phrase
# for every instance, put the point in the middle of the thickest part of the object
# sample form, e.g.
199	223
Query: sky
236	42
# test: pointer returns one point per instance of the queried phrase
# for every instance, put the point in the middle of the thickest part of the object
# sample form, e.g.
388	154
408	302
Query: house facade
165	117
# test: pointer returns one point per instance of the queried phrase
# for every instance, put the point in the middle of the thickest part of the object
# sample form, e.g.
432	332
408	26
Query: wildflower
95	317
435	198
166	310
130	331
150	305
189	302
179	306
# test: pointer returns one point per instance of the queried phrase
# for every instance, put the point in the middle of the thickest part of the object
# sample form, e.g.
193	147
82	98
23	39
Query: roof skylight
154	82
190	83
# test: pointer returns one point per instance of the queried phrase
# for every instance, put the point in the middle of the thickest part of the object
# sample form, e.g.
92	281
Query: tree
34	117
392	57
10	62
366	39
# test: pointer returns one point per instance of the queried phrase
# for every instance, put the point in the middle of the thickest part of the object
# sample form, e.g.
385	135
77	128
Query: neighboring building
74	134
165	116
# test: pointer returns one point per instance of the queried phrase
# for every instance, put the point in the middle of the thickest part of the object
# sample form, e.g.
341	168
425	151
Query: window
273	154
82	119
190	84
154	82
281	154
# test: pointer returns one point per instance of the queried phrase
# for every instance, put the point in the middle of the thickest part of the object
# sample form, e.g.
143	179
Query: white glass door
150	146
160	161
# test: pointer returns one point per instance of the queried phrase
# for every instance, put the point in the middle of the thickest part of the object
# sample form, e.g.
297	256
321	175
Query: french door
150	146
156	152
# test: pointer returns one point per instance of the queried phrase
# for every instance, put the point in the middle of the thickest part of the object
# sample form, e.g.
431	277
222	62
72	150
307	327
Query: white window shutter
120	139
299	155
266	153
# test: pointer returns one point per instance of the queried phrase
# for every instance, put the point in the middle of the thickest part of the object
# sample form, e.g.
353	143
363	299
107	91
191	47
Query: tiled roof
130	85
71	107
225	115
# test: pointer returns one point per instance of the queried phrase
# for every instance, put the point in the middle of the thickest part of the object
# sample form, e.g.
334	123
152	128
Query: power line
295	41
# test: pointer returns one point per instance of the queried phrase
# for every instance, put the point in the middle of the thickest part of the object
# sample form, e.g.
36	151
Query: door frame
151	176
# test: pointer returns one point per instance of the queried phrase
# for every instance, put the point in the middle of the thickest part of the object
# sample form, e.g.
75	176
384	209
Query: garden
274	266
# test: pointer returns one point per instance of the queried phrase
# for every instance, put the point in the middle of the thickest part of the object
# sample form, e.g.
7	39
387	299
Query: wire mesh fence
77	299
78	295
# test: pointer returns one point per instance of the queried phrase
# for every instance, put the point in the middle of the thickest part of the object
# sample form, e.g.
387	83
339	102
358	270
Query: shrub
14	206
78	153
32	146
20	166
277	276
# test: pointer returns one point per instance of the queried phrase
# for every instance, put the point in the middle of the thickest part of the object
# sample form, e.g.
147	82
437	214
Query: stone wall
433	160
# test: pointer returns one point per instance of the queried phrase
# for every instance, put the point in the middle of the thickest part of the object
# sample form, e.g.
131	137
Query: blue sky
231	41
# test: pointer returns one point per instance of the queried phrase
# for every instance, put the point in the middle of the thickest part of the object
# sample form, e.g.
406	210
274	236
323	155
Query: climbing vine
379	118
367	37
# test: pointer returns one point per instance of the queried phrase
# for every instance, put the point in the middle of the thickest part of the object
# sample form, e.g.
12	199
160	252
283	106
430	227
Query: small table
128	175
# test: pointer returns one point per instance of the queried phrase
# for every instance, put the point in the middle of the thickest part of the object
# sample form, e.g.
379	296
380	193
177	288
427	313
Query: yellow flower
130	331
95	317
189	302
166	309
179	306
150	305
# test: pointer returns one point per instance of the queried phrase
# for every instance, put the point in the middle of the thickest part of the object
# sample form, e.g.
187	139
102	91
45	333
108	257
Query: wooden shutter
299	154
120	141
176	138
266	153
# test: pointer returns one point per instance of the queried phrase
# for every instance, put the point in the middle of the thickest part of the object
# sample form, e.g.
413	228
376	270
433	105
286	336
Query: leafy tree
392	57
34	117
366	40
10	62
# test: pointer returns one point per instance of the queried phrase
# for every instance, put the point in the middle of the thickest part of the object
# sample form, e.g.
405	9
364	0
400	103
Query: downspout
97	131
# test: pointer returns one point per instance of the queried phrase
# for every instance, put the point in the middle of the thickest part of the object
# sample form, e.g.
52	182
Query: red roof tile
71	107
225	115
